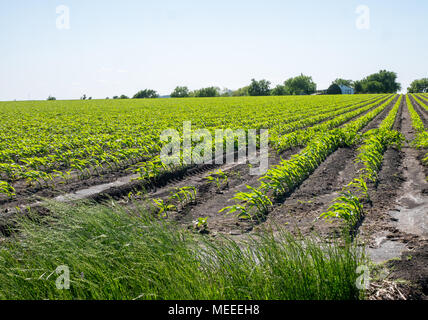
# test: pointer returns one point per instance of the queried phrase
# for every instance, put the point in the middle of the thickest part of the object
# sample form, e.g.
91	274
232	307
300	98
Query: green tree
207	92
300	85
418	86
50	98
381	82
241	92
358	87
374	87
225	92
343	82
123	97
180	92
279	90
259	88
145	94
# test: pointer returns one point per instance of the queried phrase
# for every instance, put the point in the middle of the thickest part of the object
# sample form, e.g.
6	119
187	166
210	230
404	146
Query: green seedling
220	179
252	205
7	189
164	207
201	225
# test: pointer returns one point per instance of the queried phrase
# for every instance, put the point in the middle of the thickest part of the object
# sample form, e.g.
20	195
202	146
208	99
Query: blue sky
120	47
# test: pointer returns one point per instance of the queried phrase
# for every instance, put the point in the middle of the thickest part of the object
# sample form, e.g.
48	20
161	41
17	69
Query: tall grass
115	254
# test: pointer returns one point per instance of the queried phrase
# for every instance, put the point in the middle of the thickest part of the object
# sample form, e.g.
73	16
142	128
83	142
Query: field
346	169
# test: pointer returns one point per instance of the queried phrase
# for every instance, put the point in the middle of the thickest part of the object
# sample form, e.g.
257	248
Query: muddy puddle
411	212
94	190
385	249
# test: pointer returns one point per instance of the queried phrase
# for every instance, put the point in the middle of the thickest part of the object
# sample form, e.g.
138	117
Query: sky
120	47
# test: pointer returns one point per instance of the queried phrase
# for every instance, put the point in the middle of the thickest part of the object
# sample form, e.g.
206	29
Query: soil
398	222
413	268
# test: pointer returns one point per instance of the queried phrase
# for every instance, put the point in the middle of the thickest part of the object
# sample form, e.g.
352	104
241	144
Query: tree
279	90
334	89
180	92
259	88
225	92
146	94
51	98
343	82
241	92
381	82
300	85
206	92
418	86
123	97
115	97
373	87
358	86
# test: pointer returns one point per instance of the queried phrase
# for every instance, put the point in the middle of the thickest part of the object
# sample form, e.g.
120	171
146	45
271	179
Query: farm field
339	166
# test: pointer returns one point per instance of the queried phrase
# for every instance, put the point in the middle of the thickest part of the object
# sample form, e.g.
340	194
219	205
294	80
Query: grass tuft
116	254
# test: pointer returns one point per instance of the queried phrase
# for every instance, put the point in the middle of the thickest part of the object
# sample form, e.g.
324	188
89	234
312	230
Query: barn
346	89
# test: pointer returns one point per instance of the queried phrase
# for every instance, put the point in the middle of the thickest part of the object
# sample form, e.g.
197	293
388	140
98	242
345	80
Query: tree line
381	82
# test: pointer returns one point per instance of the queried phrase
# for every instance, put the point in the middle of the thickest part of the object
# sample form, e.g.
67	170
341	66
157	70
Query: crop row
348	205
301	137
421	137
286	176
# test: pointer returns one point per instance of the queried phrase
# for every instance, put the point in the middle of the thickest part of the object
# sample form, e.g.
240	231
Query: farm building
346	89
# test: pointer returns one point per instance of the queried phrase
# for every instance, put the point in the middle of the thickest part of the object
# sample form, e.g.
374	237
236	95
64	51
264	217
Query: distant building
346	89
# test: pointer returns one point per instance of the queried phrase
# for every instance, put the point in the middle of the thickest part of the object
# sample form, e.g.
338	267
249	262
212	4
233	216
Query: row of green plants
420	101
286	176
179	199
301	137
421	137
348	206
316	116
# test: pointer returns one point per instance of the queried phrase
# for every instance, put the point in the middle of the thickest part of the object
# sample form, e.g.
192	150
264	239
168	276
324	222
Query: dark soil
211	199
413	269
400	176
301	210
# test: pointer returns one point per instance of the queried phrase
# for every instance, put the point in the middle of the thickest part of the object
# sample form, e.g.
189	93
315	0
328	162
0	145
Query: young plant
185	196
7	189
253	205
220	179
201	225
164	207
347	207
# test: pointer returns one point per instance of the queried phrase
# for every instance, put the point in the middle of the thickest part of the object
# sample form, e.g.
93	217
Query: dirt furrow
397	223
211	199
422	112
380	117
303	207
